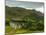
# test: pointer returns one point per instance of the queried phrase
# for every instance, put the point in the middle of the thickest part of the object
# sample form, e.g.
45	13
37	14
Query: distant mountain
18	12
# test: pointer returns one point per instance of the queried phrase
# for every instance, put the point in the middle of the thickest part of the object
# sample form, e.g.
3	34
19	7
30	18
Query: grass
7	29
10	31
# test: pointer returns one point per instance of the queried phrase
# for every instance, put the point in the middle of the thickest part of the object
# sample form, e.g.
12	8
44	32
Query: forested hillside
19	12
33	18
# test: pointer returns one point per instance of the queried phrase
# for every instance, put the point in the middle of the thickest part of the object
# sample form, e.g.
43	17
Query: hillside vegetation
34	19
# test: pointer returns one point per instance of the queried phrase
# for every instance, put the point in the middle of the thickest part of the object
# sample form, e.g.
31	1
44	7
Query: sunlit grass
10	31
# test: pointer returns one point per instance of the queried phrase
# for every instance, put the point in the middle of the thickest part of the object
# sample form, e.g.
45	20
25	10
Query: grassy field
10	31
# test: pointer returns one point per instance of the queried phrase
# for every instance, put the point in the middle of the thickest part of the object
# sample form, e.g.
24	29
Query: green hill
33	18
19	12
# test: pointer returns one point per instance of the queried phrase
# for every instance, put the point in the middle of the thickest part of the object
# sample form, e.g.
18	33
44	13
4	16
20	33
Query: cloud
40	9
28	5
25	4
11	2
32	0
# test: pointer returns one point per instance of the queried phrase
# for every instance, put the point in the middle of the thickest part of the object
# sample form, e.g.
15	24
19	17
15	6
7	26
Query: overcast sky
28	5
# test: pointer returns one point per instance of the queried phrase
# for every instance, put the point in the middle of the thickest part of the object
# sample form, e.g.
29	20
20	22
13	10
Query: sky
32	0
25	4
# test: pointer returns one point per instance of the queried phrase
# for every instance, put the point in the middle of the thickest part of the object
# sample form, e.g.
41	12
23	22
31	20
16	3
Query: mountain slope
20	12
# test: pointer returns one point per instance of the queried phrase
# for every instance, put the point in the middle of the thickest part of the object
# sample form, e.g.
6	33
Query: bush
7	21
